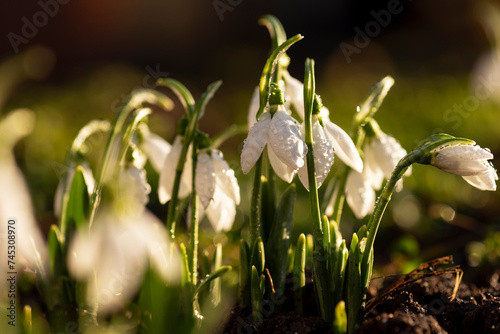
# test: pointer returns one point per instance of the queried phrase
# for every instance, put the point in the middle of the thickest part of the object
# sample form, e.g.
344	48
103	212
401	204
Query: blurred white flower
15	202
360	193
113	256
217	188
155	147
341	142
168	171
323	155
468	161
123	240
286	149
382	154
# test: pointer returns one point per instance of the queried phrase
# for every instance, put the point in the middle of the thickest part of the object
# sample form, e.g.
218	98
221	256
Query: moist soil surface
424	306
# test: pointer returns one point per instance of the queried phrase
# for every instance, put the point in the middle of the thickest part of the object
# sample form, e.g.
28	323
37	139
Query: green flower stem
268	71
255	205
320	260
193	246
72	160
195	112
376	217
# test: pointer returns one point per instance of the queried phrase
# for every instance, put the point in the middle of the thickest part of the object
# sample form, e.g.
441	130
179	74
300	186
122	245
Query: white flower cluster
286	147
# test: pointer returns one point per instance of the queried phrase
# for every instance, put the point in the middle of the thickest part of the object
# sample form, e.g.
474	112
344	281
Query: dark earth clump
424	306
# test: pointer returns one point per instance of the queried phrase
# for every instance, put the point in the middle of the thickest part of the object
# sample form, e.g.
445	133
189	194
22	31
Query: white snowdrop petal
485	181
255	142
343	145
225	177
205	178
323	156
156	149
253	108
285	140
167	175
359	195
221	212
460	167
387	152
372	171
284	172
465	152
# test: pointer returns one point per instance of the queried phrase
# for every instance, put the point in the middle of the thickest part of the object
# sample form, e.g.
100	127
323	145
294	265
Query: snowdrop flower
468	161
168	171
360	193
15	202
217	188
281	133
382	154
323	155
341	142
155	147
114	254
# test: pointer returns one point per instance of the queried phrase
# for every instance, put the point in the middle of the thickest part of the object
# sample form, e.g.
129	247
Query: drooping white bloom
323	155
341	142
155	147
113	256
16	208
281	133
124	239
167	174
217	188
468	161
382	154
360	194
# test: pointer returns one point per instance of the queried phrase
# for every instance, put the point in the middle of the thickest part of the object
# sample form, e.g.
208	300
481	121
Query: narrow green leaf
27	320
374	99
245	273
206	97
214	275
354	290
258	255
269	68
276	30
256	295
326	238
215	286
309	250
279	240
266	223
340	321
181	91
78	206
339	273
299	273
55	251
186	275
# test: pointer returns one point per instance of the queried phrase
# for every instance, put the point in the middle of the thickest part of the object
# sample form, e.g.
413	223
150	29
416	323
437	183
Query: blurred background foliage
434	51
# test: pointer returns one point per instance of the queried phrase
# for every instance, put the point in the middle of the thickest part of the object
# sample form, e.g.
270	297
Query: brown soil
423	306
